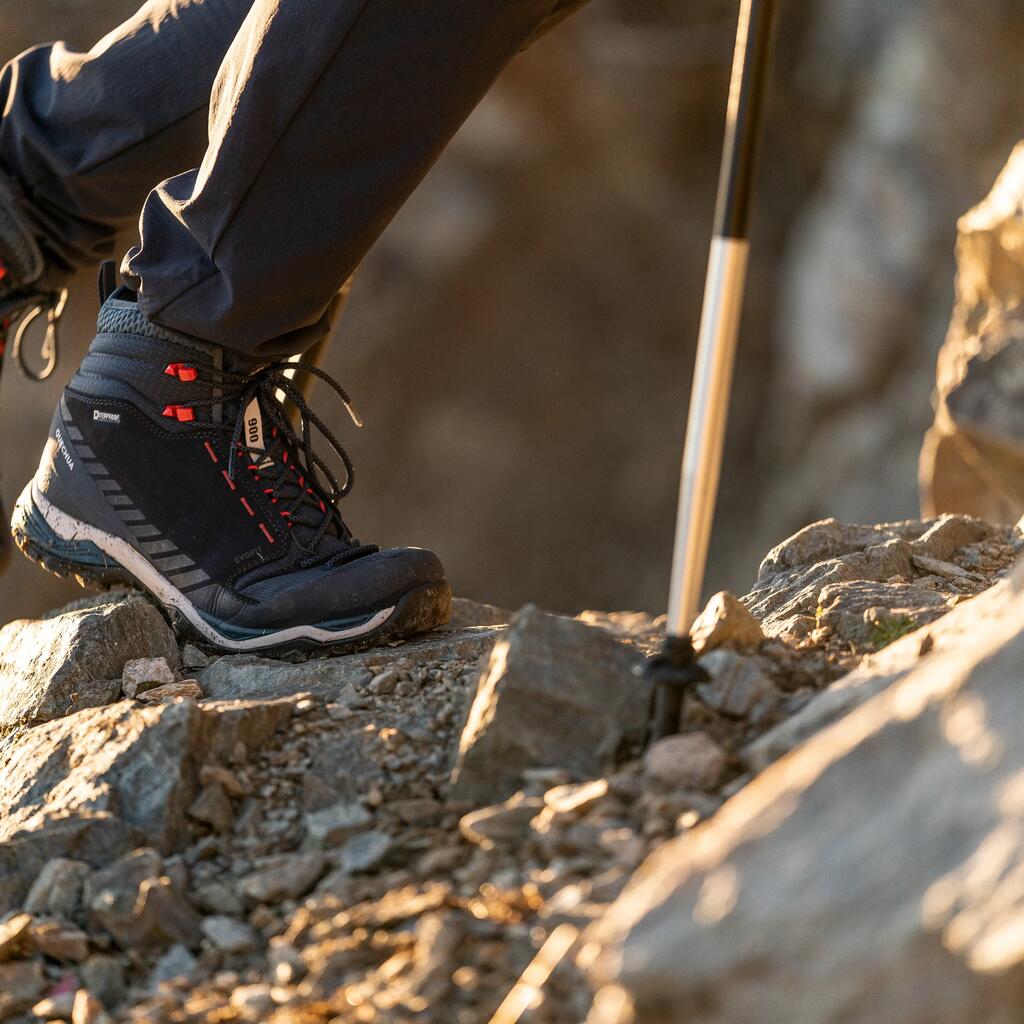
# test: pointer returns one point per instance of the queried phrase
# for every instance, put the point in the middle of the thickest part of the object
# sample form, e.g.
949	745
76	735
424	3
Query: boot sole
68	547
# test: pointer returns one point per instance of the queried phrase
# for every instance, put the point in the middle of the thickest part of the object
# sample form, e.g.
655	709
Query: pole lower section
705	432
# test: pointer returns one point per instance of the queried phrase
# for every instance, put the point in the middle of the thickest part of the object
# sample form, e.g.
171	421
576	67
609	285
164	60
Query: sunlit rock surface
973	457
869	876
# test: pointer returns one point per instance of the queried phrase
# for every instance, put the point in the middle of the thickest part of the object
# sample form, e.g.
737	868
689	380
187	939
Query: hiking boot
174	466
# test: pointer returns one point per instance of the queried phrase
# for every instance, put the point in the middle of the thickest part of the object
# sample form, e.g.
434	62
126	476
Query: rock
879	671
245	677
212	807
124	778
211	774
725	622
690	761
112	893
187	689
384	682
177	962
193	658
334	824
507	822
143	674
253	1002
903	821
162	917
103	975
16	937
973	457
577	674
738	684
289	877
58	888
834	564
466	614
230	936
56	1007
21	985
60	941
87	1009
365	852
46	665
218	898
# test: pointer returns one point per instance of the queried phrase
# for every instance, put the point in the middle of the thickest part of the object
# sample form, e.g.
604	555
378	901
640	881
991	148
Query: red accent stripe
231	483
248	507
266	532
209	450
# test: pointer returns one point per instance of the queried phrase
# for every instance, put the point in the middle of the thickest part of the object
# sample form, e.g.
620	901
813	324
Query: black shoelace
296	479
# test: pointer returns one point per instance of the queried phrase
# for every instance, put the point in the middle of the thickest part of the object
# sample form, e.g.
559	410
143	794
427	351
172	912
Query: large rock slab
93	785
973	457
51	666
872	875
556	692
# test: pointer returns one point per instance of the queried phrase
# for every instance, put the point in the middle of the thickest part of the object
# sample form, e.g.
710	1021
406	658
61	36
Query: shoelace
288	462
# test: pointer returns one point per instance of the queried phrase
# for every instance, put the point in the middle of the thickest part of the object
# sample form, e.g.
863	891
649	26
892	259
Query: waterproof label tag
254	431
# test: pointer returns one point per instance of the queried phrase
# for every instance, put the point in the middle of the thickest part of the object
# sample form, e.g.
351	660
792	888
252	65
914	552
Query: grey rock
334	824
556	693
365	852
105	781
384	682
177	962
21	985
161	916
237	677
738	684
48	666
183	689
689	761
218	898
902	821
57	889
838	557
725	622
467	614
900	607
61	942
507	822
289	877
142	674
212	807
193	658
228	935
103	975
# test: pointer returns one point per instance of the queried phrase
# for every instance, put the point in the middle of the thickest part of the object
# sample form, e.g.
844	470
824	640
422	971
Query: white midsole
68	528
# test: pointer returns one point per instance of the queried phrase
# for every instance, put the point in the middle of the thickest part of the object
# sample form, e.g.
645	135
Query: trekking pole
675	668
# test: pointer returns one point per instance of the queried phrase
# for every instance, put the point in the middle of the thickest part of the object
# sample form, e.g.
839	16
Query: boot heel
81	559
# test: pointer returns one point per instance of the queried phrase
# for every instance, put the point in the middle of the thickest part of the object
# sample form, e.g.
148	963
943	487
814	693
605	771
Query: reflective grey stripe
119	500
108	485
186	579
139	532
179	561
159	547
86	452
131	515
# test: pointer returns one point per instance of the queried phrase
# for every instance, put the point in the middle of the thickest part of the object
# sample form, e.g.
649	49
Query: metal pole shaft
720	317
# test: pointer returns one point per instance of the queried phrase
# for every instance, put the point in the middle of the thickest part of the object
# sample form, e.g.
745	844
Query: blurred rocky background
520	341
